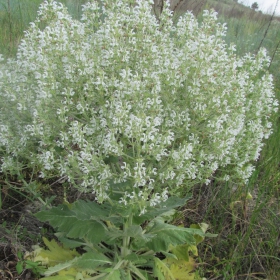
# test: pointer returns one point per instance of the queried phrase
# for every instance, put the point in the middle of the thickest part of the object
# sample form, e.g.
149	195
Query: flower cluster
122	101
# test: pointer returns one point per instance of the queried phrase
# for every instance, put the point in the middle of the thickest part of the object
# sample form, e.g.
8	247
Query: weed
248	241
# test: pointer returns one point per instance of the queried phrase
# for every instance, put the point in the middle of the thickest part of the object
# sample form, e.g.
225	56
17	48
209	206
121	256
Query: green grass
15	16
247	246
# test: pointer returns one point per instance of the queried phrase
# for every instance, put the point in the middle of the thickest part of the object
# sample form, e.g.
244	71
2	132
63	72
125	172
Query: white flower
128	100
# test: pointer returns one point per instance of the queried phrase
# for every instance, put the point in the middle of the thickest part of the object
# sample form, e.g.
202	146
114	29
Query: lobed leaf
166	235
114	275
92	260
162	271
181	269
170	204
86	210
61	266
182	251
66	220
55	253
134	231
59	277
137	259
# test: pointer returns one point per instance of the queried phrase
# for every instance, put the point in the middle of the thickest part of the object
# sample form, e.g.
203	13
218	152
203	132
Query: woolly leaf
134	231
91	231
166	235
170	204
69	243
181	269
65	220
162	271
203	227
114	275
69	274
91	260
59	277
55	254
72	271
61	266
182	251
86	210
138	259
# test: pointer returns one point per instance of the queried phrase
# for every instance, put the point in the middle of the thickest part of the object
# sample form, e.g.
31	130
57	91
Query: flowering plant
124	103
132	107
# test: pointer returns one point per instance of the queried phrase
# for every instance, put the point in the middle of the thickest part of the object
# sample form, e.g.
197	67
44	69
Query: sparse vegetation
246	217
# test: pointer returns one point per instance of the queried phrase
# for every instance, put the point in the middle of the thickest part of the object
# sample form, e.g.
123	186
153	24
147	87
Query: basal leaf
166	235
203	227
59	277
181	269
92	260
55	215
182	251
91	231
55	254
174	202
133	231
65	220
79	275
169	255
61	266
69	274
170	204
69	243
162	271
137	259
114	275
86	210
141	243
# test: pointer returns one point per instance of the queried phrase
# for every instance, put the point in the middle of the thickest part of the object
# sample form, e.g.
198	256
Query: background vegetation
247	220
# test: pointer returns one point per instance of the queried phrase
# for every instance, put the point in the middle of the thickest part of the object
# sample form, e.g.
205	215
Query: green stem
126	240
137	272
118	265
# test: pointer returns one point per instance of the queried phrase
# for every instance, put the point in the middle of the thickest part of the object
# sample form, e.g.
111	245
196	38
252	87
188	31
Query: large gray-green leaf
161	271
69	243
142	260
66	220
59	267
133	231
114	275
166	235
92	260
171	203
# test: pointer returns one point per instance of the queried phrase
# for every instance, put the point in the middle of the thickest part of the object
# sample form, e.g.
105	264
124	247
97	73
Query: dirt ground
20	230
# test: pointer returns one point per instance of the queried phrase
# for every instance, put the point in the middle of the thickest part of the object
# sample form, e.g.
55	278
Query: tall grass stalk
272	16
